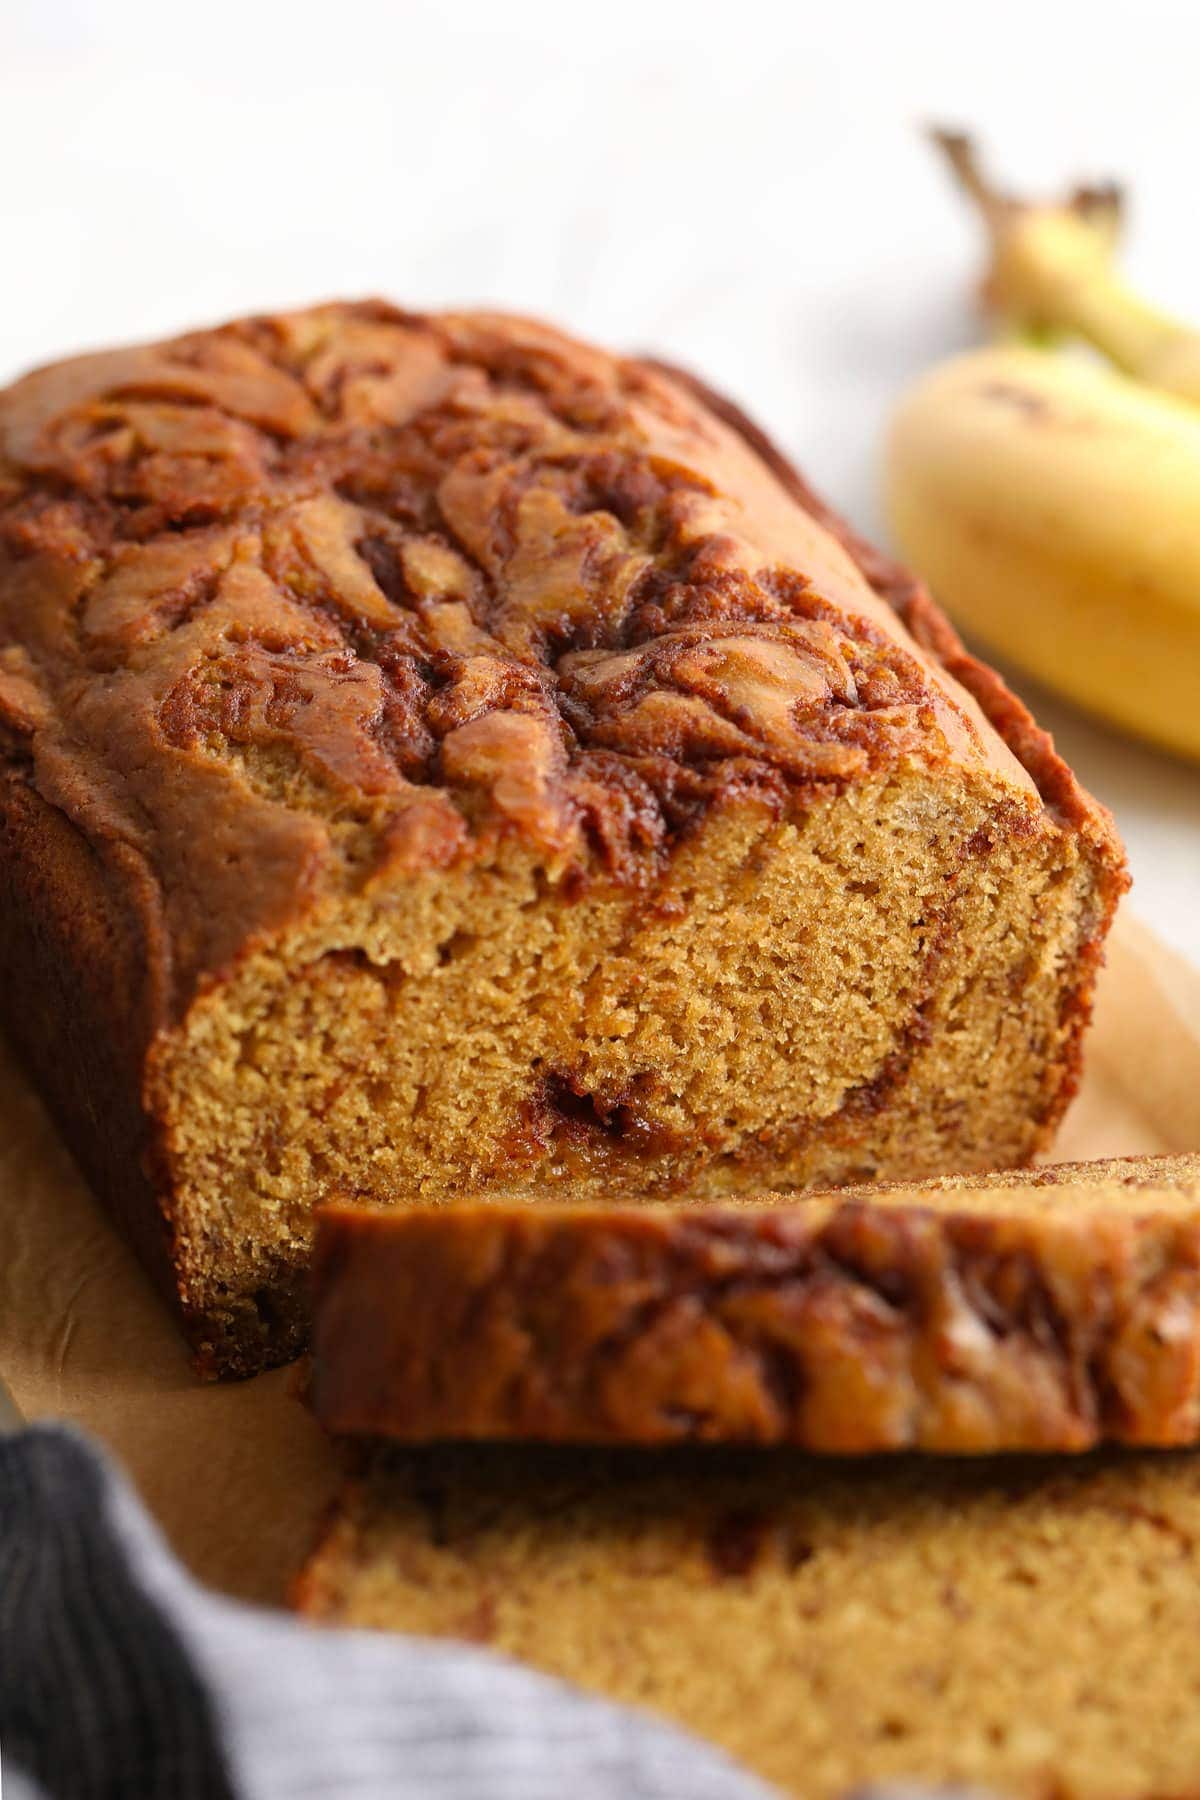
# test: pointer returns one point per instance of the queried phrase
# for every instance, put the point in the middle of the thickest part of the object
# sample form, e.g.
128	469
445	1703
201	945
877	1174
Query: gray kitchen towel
120	1676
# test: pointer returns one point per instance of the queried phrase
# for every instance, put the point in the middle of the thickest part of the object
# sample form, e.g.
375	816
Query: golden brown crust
78	956
78	1021
457	574
967	1318
1005	711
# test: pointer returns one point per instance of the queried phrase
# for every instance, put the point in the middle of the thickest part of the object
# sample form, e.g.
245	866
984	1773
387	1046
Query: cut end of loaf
888	984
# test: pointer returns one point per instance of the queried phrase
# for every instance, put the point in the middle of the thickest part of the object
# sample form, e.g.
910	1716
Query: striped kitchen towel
119	1676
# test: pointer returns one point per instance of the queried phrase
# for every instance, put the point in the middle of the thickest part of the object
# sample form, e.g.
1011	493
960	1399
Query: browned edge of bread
1048	1314
60	1015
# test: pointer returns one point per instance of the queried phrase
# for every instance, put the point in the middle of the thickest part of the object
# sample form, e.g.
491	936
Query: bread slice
435	754
1053	1310
1018	1627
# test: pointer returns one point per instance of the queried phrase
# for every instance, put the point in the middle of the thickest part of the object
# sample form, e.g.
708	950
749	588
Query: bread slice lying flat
1027	1628
1051	1310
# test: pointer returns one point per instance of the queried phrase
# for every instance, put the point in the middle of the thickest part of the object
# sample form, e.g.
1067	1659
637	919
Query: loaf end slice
435	754
1052	1311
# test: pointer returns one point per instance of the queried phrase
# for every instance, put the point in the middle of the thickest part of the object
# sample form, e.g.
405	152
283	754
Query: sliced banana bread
434	753
1022	1628
1053	1310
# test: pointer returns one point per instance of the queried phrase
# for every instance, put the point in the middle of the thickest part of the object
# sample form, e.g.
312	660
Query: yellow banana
1052	270
1053	505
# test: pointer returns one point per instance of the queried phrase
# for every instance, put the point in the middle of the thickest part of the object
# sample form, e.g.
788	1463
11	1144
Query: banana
1054	506
1052	271
1051	501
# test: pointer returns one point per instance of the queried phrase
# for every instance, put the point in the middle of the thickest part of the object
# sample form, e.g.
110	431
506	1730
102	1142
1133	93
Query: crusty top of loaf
347	592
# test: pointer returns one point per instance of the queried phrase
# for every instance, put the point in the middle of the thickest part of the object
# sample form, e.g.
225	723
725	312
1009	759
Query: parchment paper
238	1475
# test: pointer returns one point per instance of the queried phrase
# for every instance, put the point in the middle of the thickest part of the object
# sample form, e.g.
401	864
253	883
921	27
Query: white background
742	186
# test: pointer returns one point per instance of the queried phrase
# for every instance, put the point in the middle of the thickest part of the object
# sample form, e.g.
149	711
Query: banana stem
1052	269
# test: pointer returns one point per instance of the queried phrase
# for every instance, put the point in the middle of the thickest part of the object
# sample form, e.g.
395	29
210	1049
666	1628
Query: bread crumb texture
437	753
1024	1627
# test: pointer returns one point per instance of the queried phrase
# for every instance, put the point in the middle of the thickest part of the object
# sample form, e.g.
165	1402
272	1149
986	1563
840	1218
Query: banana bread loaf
1014	1627
435	754
1050	1314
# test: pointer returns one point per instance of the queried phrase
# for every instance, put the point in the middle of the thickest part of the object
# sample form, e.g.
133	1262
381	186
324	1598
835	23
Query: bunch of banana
1051	498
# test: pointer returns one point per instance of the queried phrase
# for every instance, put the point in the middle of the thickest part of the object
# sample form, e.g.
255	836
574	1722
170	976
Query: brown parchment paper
238	1475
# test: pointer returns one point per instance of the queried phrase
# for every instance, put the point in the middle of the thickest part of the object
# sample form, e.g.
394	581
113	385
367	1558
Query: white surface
740	185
